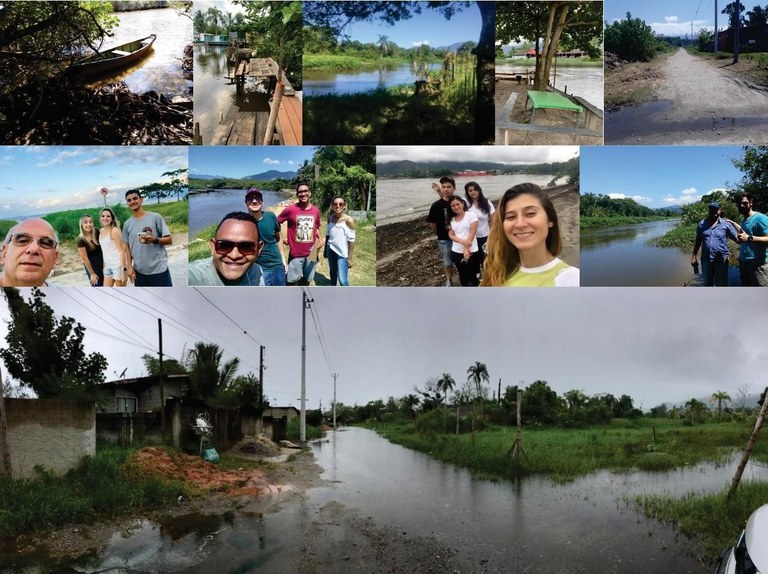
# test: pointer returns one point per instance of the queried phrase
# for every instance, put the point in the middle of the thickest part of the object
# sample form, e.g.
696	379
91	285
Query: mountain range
264	176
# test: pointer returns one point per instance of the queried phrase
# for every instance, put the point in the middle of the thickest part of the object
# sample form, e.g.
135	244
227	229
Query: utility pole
305	304
334	375
750	444
162	386
737	33
716	38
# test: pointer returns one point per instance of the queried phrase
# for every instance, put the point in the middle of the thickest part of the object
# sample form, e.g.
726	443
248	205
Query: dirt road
699	102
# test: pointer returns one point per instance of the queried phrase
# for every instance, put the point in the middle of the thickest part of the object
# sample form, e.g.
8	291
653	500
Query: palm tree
445	384
696	409
719	397
383	43
409	403
477	374
207	374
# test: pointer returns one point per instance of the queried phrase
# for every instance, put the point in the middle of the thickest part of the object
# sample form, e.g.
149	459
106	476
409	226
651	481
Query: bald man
30	251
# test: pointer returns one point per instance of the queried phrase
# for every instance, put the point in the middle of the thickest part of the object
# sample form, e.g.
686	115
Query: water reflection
322	82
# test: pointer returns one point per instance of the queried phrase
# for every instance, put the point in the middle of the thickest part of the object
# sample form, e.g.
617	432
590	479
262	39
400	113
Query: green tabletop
552	100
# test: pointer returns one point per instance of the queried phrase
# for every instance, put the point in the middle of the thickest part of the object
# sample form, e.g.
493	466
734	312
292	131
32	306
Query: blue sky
658	176
239	161
35	180
430	27
671	18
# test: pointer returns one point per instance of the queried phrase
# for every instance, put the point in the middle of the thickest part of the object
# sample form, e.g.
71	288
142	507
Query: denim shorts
115	273
445	251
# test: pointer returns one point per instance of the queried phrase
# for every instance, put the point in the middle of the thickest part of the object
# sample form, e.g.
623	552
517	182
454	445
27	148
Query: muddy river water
532	525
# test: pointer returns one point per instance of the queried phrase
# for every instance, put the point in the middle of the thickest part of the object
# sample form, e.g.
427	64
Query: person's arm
117	239
279	243
83	251
130	271
350	239
696	246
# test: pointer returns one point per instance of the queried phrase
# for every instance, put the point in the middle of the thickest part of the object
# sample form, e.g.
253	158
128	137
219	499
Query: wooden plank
506	110
242	130
289	118
221	134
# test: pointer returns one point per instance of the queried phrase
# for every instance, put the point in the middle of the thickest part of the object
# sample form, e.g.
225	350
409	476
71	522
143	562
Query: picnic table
551	100
257	68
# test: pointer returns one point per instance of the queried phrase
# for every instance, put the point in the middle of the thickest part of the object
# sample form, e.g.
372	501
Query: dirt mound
613	61
193	470
259	445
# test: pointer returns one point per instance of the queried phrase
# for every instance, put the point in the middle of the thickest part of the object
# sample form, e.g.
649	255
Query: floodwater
531	525
618	256
404	199
161	69
208	208
215	95
323	82
583	82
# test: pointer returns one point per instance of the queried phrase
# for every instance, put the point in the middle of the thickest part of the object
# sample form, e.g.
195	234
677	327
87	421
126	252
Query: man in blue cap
712	235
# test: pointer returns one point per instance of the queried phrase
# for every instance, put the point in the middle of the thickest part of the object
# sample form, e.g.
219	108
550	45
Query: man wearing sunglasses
271	258
753	236
145	234
304	239
30	250
234	250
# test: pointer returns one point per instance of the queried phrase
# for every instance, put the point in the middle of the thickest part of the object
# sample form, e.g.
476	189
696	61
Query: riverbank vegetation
599	211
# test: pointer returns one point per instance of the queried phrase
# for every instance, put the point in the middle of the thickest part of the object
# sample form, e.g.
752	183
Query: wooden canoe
114	58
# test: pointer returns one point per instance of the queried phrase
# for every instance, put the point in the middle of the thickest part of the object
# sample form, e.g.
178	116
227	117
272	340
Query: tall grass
566	454
294	430
713	519
101	486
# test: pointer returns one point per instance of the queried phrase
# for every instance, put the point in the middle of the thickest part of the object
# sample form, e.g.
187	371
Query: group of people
111	257
712	234
248	248
516	245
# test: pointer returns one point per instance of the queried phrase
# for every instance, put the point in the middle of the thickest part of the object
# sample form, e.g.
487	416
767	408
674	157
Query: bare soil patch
631	84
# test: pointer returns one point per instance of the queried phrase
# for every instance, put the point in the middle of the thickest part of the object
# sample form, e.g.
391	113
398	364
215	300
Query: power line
228	317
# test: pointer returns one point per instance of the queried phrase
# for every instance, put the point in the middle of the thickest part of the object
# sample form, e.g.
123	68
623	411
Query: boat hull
115	58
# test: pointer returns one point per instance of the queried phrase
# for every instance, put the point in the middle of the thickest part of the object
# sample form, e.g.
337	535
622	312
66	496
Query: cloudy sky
239	161
657	345
35	180
658	176
500	154
670	18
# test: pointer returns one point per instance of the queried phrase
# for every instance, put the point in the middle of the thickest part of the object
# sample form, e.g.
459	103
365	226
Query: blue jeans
274	277
339	267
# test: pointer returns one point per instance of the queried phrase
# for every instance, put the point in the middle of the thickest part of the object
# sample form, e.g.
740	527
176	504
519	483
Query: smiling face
338	206
106	218
745	205
526	223
457	206
303	194
25	262
235	248
87	225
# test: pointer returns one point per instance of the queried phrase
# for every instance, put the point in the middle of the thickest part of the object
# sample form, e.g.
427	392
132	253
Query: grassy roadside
752	67
633	83
563	455
102	486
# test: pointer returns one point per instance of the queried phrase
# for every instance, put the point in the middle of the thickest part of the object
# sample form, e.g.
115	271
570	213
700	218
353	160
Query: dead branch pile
62	112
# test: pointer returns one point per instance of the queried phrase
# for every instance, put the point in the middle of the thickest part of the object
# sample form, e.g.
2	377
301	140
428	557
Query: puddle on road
649	119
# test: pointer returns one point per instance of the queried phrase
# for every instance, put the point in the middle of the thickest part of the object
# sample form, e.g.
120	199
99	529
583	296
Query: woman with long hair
340	242
90	251
112	247
464	251
483	210
525	241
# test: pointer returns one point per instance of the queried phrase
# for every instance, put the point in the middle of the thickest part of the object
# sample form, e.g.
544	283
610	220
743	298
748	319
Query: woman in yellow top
525	241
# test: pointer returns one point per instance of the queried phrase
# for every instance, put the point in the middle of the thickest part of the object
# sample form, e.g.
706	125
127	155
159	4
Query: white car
750	553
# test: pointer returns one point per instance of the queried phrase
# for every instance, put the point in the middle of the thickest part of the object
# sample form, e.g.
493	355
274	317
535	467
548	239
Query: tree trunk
555	25
485	70
5	454
750	444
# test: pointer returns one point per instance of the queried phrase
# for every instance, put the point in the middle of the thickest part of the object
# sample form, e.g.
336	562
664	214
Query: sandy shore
407	252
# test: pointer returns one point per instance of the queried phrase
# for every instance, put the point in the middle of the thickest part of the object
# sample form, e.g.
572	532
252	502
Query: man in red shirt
304	238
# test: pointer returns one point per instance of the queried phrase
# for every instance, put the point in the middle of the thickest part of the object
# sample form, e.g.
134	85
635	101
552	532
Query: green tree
477	374
46	353
445	385
409	404
754	166
695	410
207	374
758	16
540	403
703	39
572	24
631	39
248	391
720	397
337	16
170	366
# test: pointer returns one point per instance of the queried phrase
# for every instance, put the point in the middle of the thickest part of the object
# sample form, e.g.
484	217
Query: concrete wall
55	434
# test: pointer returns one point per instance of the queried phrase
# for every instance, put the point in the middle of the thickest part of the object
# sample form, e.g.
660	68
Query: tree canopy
46	353
754	166
570	24
631	39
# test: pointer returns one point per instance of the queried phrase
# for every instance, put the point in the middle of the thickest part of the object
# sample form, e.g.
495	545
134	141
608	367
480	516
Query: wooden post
750	444
5	455
517	448
273	112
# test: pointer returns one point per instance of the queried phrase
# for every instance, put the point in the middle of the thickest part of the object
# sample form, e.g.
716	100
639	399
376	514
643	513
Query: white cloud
672	27
501	154
670	18
421	43
270	161
687	195
637	198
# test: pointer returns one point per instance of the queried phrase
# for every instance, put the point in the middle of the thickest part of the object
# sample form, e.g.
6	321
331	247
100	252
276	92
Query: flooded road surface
161	69
384	508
